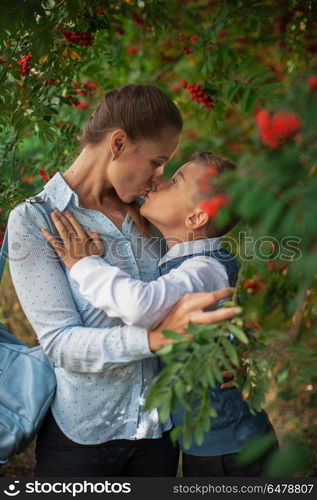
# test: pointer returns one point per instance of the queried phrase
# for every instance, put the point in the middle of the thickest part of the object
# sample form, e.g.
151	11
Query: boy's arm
144	303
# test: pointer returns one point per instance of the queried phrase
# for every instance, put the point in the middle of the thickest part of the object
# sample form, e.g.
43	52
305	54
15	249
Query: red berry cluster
24	64
120	30
138	20
272	266
82	105
75	103
212	207
27	179
80	37
84	89
50	81
132	50
205	180
183	38
312	83
46	177
100	11
277	128
198	94
254	285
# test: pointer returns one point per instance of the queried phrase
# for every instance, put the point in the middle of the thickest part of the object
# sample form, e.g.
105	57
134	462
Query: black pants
57	455
225	465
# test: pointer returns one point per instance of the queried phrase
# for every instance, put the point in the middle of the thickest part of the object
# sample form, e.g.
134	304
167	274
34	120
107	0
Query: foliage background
246	55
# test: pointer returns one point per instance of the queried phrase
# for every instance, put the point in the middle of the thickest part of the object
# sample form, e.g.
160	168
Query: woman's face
139	165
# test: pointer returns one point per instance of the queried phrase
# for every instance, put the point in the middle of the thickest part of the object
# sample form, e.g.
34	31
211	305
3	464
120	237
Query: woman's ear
117	141
197	219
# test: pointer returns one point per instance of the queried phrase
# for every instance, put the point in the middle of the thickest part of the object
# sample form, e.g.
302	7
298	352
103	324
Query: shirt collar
191	248
60	193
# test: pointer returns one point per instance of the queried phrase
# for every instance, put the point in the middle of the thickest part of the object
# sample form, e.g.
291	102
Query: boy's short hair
222	165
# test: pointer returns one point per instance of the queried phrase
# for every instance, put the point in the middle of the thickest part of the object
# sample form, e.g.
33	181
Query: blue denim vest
235	424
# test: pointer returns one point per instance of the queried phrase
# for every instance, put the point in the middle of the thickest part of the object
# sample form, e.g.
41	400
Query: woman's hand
190	309
77	243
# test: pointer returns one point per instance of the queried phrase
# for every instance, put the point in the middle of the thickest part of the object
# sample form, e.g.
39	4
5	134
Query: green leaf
255	72
216	372
246	62
256	448
238	333
262	78
180	393
165	350
187	437
165	407
291	459
174	336
199	434
234	90
175	433
245	97
269	88
230	350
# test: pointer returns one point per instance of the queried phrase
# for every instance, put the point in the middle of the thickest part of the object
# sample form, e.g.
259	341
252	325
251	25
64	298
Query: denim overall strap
226	258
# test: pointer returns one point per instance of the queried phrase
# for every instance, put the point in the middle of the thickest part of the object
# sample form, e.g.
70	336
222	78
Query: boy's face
174	199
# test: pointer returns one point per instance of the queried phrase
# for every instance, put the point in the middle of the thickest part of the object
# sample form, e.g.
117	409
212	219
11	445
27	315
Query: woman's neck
87	177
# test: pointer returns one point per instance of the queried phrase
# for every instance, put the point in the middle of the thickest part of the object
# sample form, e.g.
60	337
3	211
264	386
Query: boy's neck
172	238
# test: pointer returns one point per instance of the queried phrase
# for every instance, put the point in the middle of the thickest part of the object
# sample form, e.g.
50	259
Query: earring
114	157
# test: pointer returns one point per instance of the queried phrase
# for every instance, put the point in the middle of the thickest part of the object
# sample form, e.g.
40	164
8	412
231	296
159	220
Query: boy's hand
230	383
77	243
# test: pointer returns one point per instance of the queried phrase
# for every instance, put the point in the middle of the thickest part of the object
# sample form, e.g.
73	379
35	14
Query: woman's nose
157	179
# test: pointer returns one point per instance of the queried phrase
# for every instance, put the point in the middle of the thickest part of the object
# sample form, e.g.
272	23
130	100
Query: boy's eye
155	164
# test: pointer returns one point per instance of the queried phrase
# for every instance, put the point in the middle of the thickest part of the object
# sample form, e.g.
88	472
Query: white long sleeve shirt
146	304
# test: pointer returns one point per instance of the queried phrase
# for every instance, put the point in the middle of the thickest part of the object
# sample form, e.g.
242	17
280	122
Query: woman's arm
140	303
47	301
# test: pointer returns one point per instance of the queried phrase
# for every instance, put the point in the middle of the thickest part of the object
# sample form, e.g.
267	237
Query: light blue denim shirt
103	367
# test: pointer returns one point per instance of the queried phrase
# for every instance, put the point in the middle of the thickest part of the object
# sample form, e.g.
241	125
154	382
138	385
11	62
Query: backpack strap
3	253
44	208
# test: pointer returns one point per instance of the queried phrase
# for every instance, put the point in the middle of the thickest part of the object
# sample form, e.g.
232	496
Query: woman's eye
156	165
173	181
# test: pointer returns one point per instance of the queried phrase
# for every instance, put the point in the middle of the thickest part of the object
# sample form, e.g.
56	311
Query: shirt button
126	244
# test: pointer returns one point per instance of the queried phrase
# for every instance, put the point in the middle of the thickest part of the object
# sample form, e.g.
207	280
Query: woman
98	426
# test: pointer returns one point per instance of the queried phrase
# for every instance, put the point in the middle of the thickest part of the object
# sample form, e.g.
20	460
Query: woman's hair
143	112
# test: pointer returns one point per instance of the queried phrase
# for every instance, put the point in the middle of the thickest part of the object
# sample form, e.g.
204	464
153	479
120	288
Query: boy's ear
197	219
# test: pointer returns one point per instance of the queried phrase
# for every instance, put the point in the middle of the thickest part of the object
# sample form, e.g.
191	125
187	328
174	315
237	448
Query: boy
194	262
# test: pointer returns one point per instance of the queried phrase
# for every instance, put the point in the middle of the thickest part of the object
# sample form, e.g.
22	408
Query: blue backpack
27	387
